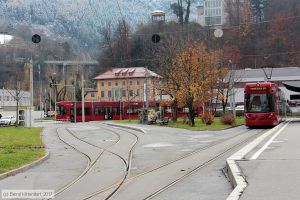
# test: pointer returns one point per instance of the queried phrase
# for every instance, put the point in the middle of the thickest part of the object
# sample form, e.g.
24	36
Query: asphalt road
275	175
97	161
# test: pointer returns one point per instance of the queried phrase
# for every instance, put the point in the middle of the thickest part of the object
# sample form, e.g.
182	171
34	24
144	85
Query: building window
109	83
132	110
92	94
109	93
131	93
124	93
124	82
116	84
137	92
138	82
99	110
7	98
130	82
102	94
102	84
116	110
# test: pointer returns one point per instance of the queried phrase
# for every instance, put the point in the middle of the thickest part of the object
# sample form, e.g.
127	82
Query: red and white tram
98	111
265	104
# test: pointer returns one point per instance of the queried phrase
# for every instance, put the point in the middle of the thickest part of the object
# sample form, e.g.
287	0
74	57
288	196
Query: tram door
72	115
108	113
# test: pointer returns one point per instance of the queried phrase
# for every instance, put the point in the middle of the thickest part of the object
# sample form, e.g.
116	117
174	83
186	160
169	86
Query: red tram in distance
265	104
98	111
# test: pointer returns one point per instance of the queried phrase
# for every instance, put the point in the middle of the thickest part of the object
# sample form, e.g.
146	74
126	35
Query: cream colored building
91	95
128	84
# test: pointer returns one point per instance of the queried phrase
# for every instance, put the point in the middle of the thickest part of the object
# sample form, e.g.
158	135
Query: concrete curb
218	129
234	171
127	126
24	167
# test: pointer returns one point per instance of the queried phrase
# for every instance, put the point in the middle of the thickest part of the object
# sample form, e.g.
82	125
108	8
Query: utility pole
120	99
146	88
31	91
82	97
74	99
45	102
55	99
40	85
50	106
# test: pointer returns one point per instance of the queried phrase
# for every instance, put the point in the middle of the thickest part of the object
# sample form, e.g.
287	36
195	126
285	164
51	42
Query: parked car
8	120
240	108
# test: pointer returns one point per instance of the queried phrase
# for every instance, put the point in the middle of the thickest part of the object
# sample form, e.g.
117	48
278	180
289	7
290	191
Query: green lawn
126	121
18	147
12	137
217	125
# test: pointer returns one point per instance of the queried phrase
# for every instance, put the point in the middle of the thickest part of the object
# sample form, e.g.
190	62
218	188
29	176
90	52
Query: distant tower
158	16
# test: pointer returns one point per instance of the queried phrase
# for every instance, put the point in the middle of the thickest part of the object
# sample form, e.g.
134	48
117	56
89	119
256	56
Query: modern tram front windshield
259	103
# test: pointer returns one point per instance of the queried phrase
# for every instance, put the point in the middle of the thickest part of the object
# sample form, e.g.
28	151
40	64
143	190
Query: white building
8	99
280	76
211	13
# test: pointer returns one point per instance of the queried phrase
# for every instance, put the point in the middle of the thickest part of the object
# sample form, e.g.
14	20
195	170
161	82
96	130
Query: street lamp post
55	98
74	99
31	90
231	87
82	96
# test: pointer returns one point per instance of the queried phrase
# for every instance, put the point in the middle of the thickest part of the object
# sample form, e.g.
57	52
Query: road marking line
256	155
235	173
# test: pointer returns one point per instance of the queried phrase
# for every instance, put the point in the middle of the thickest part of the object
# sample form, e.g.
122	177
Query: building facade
91	95
128	84
281	76
211	13
8	99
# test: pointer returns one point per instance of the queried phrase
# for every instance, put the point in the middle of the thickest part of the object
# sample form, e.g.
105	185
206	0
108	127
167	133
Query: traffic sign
36	38
155	38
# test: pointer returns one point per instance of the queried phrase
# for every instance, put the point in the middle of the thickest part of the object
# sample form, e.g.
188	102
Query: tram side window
99	110
79	111
61	110
132	110
116	111
86	111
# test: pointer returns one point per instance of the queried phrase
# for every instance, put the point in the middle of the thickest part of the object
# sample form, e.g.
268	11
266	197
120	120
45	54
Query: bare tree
131	92
182	10
15	90
227	79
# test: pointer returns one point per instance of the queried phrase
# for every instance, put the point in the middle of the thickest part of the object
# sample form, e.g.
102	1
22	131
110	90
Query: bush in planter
208	117
228	119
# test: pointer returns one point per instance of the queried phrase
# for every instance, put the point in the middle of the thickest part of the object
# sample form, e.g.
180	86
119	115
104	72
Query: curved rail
161	166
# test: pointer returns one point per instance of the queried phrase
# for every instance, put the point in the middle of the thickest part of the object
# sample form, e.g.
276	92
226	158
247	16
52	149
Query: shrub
228	119
208	117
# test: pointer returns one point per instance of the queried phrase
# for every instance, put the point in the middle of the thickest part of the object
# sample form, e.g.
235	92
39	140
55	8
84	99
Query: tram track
118	185
127	180
113	189
90	164
204	164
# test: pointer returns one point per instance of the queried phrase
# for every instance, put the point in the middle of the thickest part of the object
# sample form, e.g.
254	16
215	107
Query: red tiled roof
121	73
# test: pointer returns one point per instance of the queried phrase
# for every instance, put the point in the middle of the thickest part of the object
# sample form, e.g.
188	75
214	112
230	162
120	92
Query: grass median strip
19	146
217	125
